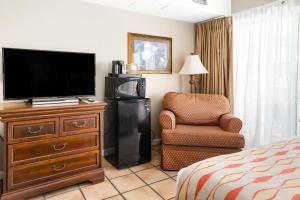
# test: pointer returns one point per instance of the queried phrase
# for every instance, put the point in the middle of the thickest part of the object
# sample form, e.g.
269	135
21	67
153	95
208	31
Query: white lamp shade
193	65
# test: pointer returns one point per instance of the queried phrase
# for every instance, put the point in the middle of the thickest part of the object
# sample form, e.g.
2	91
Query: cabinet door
134	131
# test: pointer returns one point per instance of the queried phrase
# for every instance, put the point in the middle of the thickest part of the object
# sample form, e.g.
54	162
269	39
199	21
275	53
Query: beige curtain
214	46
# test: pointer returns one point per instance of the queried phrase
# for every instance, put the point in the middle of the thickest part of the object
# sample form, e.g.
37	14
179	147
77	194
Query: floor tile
61	191
127	183
155	160
154	153
119	197
144	193
141	167
40	197
84	184
105	163
99	191
156	148
174	177
72	195
87	183
112	172
165	188
151	175
171	173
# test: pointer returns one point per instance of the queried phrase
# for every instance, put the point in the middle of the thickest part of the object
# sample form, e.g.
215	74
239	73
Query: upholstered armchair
196	127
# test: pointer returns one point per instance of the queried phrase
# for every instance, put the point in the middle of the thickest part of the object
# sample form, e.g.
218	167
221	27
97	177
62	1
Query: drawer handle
59	148
29	130
56	168
79	125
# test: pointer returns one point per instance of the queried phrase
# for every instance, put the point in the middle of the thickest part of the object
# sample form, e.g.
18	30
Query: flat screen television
37	73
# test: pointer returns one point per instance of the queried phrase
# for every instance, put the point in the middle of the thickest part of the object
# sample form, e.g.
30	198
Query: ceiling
184	10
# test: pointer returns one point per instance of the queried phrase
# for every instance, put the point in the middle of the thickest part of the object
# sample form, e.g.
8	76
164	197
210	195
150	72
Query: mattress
269	172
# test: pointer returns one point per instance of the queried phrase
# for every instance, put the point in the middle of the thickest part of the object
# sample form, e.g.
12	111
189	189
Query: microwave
125	87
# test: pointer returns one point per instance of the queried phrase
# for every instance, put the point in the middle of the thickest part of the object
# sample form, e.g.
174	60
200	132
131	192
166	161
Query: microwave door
128	89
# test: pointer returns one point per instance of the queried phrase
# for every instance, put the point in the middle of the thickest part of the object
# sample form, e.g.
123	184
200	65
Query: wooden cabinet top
20	110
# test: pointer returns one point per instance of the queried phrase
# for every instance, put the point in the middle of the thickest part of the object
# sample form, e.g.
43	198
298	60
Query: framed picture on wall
151	54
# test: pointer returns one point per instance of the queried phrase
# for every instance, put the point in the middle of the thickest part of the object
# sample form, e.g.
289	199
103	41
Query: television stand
52	101
49	148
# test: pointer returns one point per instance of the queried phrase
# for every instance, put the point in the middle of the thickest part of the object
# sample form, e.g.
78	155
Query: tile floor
142	182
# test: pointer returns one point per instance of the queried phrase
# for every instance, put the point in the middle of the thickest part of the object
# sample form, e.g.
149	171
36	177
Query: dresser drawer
32	130
45	149
79	124
37	172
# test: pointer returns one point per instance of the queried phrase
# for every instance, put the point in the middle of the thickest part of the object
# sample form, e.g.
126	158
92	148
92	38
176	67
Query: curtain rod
219	17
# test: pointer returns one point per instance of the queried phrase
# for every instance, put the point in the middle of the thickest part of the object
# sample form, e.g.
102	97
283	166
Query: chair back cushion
196	109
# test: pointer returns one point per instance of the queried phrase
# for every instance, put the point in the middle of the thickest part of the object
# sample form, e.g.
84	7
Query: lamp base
192	83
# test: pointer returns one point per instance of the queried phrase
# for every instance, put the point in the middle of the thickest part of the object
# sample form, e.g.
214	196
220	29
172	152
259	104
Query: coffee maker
117	67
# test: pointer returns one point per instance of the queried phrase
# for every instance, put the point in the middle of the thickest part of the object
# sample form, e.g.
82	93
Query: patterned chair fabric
196	109
204	136
167	120
196	127
230	123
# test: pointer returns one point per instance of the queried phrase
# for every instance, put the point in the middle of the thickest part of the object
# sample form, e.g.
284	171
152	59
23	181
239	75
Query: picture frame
151	54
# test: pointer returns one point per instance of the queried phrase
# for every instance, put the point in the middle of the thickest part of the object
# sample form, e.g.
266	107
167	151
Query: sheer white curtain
265	72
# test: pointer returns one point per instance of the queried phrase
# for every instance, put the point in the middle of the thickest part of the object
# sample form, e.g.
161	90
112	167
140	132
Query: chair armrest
167	120
230	123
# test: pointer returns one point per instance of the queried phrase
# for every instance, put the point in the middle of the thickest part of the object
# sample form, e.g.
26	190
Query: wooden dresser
48	148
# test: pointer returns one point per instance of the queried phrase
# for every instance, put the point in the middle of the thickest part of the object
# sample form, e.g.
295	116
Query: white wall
72	25
239	5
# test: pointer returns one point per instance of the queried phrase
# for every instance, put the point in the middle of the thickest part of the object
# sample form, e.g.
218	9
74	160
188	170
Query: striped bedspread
270	172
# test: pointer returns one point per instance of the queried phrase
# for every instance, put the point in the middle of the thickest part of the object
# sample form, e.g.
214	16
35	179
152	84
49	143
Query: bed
269	172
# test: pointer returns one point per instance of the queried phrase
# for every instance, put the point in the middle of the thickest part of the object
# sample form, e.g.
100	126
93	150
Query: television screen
37	73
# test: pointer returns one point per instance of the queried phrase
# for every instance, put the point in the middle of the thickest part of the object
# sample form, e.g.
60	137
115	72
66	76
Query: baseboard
156	141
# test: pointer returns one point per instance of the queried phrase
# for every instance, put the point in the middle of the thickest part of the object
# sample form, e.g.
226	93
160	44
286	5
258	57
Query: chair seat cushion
202	136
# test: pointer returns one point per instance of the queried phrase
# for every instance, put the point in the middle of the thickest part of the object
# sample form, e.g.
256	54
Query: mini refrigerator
127	131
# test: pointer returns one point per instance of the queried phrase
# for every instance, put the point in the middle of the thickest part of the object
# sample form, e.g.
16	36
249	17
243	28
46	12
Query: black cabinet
127	132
